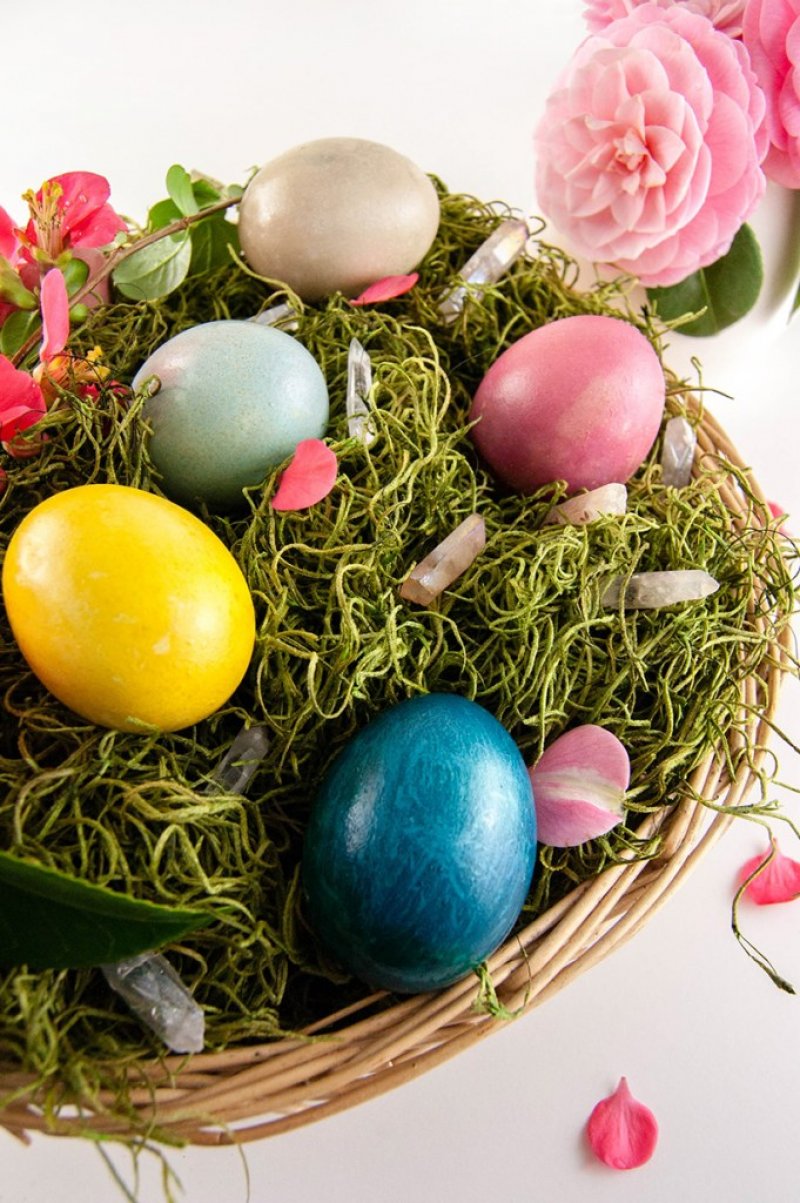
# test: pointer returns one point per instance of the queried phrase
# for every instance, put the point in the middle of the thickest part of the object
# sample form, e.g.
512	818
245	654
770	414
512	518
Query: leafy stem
123	252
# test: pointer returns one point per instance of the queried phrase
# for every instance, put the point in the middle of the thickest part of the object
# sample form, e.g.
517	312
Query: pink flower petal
579	786
21	400
622	1132
55	315
8	236
87	219
778	512
779	881
386	289
309	477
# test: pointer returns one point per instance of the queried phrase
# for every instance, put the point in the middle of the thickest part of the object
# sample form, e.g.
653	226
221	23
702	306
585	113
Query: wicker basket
260	1090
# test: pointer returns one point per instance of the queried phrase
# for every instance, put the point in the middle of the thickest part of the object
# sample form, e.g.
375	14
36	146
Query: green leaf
76	273
726	290
204	193
210	241
157	269
179	186
16	330
12	289
161	214
50	920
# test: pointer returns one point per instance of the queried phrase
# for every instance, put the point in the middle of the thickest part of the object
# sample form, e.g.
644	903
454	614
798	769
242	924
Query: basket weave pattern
251	1092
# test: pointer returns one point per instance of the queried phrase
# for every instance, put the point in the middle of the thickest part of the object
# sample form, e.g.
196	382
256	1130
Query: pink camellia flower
726	15
649	148
772	36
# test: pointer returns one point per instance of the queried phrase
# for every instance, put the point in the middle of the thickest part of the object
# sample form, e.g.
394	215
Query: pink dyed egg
579	400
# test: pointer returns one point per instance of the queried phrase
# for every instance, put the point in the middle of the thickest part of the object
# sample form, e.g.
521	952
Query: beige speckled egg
336	215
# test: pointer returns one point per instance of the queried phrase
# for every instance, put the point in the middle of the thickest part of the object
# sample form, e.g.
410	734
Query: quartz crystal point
359	383
446	562
237	768
491	260
283	316
677	456
155	993
587	507
651	590
148	983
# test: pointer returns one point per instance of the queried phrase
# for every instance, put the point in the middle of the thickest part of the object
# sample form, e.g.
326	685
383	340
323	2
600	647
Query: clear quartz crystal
587	507
283	316
651	590
677	456
359	383
491	260
155	993
238	766
148	983
446	562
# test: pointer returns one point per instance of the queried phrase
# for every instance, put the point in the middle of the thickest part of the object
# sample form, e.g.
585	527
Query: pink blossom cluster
654	146
69	215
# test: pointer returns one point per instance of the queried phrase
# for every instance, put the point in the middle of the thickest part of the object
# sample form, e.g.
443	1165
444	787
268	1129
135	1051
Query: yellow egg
128	608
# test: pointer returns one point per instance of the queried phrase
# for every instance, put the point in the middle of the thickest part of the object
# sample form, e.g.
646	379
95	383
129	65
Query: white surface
702	1035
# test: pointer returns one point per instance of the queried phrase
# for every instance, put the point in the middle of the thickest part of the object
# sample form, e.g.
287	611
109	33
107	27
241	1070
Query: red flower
69	211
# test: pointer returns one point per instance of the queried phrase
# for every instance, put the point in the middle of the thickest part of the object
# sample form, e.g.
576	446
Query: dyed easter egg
235	399
580	400
421	844
336	215
128	608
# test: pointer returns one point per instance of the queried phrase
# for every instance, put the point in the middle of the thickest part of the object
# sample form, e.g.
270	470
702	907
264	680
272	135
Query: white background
703	1036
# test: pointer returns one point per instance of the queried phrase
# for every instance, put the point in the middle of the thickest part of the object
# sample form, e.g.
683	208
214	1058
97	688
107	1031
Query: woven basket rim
249	1092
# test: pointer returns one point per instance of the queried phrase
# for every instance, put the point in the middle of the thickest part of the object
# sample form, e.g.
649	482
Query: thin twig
119	254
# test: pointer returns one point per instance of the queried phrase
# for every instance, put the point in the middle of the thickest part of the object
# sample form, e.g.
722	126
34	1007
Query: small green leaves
202	247
157	269
16	330
724	292
179	186
12	289
49	920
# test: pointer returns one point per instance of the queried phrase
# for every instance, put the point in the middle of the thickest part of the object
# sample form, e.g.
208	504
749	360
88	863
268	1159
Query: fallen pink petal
386	289
778	881
622	1132
579	786
55	315
309	477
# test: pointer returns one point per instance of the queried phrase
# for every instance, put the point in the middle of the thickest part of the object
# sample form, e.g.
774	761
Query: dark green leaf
726	290
76	273
179	186
204	193
12	289
210	241
16	330
161	214
49	920
156	270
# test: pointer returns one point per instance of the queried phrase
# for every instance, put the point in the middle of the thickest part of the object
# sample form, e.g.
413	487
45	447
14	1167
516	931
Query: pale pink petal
309	477
55	315
386	289
579	785
21	400
779	881
772	38
622	1132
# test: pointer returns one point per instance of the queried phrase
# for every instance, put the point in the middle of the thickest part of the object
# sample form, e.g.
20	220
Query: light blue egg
235	399
421	844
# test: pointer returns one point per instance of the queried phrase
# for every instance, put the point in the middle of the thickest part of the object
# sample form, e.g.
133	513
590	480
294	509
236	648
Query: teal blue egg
234	400
421	844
